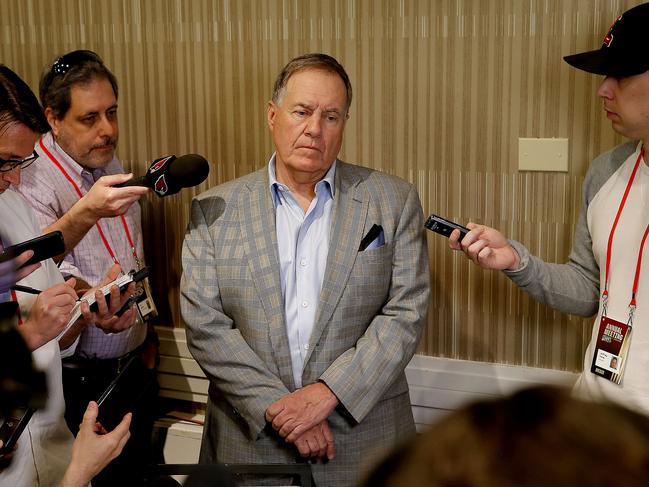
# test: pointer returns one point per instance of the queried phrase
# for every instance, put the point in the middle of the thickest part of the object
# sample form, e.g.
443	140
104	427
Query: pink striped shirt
51	195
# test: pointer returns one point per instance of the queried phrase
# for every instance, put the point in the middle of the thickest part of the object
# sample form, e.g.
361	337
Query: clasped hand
301	418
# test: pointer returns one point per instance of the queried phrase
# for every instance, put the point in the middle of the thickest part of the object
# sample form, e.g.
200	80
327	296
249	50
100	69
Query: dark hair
311	61
76	67
18	103
537	437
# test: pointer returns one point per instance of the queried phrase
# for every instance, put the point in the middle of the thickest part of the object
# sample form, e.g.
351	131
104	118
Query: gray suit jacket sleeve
572	287
361	376
233	368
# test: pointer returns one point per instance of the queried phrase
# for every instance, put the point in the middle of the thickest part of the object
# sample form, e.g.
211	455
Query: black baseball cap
624	51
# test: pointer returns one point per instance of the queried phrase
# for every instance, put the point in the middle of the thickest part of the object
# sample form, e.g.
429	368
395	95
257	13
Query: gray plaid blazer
370	315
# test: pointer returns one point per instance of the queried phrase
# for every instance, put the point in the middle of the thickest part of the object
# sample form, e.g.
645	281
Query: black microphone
170	174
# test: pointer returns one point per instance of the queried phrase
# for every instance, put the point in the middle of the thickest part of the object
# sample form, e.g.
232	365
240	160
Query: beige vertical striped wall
443	89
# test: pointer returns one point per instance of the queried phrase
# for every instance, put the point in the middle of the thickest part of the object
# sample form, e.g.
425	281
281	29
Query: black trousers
85	380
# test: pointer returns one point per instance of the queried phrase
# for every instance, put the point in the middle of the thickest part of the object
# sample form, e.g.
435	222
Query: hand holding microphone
112	195
107	199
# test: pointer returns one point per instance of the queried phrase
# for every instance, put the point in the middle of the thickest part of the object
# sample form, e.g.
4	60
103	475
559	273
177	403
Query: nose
314	125
107	127
606	89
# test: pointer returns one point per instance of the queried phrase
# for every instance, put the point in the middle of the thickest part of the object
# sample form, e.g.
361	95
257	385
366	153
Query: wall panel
443	89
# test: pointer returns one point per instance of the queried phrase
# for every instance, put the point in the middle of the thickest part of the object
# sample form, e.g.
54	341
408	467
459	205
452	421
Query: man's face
16	142
88	131
307	125
626	102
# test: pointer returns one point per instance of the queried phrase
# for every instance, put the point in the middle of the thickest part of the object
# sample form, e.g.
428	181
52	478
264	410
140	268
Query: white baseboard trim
438	385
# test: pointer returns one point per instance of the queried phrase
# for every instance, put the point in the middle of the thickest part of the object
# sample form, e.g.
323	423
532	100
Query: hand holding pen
54	305
49	314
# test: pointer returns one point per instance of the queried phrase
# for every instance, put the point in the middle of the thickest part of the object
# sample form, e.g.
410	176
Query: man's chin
96	161
624	131
309	156
310	164
313	163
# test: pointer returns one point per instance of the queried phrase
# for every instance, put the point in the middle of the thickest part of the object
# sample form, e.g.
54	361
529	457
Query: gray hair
311	61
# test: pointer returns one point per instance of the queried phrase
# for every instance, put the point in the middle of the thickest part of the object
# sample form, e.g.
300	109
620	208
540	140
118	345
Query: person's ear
55	123
271	113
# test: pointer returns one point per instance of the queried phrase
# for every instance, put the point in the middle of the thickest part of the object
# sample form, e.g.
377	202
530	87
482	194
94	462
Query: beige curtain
443	90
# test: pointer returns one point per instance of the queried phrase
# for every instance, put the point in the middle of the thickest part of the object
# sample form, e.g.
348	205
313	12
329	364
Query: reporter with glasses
45	448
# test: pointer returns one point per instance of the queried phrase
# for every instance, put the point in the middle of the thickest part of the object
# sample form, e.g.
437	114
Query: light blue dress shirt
303	245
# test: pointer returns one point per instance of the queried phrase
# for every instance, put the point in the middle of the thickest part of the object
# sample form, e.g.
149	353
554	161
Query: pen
25	289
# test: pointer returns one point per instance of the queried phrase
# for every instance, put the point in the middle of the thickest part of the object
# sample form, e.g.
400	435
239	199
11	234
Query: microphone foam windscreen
188	170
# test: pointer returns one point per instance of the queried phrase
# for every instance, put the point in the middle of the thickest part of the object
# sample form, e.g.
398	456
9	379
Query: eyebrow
310	107
332	110
95	112
303	105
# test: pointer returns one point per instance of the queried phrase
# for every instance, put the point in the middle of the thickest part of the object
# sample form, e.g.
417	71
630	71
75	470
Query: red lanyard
78	190
636	280
18	313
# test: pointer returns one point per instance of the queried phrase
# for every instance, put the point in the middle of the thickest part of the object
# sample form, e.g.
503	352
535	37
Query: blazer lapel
260	246
349	213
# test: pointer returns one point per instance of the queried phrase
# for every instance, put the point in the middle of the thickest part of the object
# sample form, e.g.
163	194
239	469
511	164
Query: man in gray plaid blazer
305	289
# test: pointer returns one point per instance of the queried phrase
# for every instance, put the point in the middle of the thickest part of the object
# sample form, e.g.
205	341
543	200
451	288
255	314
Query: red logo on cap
609	37
161	187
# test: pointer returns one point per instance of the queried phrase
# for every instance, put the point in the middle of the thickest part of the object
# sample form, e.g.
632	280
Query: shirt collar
327	182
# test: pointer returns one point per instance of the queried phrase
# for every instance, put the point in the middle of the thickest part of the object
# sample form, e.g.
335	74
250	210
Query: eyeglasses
63	64
7	165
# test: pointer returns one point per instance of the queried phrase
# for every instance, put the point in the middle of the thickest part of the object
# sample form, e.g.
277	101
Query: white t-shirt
575	287
44	448
626	245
